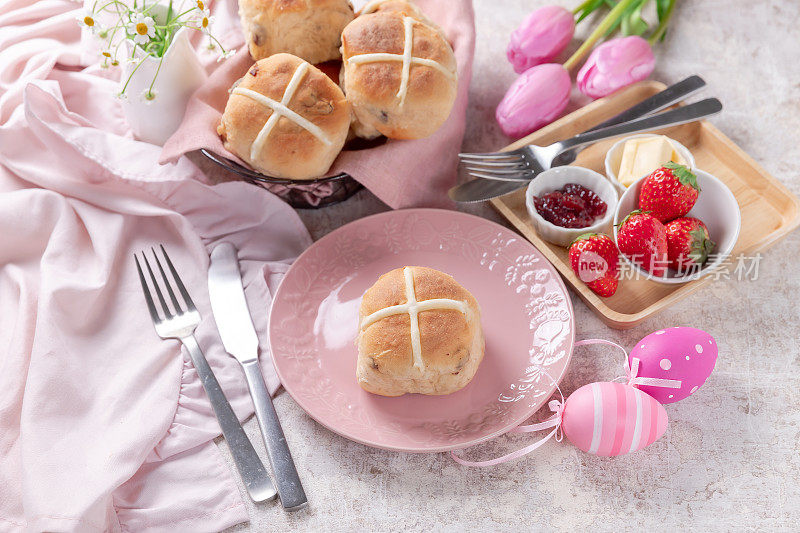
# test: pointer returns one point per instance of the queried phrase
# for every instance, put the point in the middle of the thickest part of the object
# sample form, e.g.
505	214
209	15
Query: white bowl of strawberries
676	225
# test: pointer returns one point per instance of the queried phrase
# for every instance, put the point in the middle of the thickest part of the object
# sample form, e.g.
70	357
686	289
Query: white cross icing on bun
399	73
419	332
286	118
279	110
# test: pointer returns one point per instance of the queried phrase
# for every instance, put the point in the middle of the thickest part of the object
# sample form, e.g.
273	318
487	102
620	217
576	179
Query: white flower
204	19
86	18
142	28
226	55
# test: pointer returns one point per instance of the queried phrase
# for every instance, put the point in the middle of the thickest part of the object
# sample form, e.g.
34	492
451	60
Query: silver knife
240	340
480	190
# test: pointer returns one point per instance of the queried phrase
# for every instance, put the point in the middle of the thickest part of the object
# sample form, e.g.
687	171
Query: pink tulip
537	97
616	64
540	38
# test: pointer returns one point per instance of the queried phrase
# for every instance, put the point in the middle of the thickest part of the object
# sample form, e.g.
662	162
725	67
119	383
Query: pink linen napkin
401	173
104	426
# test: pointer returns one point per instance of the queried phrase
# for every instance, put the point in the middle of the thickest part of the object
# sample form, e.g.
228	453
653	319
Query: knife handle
290	489
255	476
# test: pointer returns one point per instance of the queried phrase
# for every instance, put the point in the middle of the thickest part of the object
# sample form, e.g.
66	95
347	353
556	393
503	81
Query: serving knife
240	340
481	189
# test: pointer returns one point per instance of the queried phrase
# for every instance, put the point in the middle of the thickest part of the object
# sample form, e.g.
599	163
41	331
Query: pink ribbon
557	407
632	369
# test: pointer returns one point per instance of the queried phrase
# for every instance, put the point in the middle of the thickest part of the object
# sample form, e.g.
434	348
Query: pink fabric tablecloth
103	426
414	173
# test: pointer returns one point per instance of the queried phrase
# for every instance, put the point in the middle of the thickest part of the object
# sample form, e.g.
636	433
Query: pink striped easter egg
612	419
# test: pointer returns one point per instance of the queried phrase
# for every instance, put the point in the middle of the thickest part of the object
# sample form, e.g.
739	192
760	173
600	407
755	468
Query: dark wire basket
300	194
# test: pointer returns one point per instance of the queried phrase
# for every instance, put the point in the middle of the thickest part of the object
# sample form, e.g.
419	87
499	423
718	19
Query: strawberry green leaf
701	246
582	237
684	175
634	212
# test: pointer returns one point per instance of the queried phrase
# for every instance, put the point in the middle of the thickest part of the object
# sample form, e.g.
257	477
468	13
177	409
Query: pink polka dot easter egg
611	419
687	355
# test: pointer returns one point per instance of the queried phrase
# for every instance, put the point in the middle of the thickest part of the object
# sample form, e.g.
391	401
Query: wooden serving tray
769	210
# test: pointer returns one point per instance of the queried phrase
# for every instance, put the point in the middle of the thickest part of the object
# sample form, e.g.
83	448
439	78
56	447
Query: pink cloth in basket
401	173
104	426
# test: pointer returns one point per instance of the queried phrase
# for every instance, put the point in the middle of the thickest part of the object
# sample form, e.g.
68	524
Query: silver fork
519	166
180	323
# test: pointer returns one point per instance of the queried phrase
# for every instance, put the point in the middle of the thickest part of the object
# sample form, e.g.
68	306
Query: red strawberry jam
574	206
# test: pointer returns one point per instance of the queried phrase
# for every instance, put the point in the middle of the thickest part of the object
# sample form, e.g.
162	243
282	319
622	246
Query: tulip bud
537	97
540	38
616	64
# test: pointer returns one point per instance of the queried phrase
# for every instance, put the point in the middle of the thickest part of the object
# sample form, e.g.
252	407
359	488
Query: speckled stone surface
730	459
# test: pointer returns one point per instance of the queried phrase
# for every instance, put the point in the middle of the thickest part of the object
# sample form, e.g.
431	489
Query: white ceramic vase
181	73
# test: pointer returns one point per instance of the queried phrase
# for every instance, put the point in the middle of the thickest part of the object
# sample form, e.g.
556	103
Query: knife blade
239	338
480	190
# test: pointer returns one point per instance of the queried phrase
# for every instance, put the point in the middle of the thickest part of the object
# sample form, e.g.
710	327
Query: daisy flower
204	20
226	55
142	28
87	19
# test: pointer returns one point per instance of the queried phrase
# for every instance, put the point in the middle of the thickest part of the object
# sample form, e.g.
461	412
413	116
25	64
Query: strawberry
669	192
594	258
643	239
688	243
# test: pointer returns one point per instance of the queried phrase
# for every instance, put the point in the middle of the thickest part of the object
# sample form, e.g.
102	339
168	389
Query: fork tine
497	164
501	171
150	305
490	157
502	177
157	289
175	303
181	288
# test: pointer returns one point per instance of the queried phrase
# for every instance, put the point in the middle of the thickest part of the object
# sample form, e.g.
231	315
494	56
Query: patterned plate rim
435	449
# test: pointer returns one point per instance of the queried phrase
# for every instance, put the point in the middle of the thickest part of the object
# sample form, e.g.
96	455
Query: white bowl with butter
647	150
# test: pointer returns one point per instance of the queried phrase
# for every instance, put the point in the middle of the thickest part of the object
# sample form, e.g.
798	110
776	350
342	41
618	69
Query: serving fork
517	167
179	323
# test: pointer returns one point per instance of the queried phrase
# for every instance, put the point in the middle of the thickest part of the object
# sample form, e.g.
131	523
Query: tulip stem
598	33
581	7
662	25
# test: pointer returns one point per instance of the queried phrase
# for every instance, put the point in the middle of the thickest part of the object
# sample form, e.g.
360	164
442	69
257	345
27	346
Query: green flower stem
116	3
581	7
158	69
125	87
598	33
209	36
662	26
186	12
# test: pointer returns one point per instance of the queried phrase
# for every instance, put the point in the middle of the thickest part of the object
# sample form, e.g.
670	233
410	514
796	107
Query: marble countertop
729	460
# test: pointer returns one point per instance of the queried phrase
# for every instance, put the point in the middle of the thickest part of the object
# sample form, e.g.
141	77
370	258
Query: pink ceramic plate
526	314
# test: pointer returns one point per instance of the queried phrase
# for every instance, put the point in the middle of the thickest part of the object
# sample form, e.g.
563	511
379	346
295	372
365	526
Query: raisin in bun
310	29
399	74
286	118
419	332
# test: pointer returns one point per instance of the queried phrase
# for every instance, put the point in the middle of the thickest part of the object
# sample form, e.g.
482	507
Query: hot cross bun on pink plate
419	332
